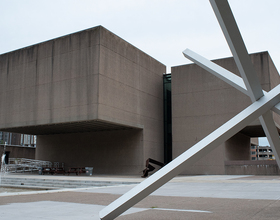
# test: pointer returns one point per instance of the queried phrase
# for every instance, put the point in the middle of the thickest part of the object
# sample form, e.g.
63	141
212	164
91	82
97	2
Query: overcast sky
161	28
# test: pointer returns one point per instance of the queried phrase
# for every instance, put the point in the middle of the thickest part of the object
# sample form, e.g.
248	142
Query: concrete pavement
184	197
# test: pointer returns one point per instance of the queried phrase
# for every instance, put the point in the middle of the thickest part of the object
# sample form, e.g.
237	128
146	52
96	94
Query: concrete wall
255	141
79	81
275	80
108	152
201	103
238	147
52	82
131	91
260	167
19	152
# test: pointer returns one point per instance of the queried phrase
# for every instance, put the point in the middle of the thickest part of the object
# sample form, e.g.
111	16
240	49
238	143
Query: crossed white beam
262	103
237	82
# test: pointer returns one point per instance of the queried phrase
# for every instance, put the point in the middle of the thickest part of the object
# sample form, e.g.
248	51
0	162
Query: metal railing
17	165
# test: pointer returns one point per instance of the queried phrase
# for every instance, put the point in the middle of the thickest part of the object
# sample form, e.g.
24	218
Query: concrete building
265	153
201	103
95	100
17	145
254	146
254	155
17	139
92	98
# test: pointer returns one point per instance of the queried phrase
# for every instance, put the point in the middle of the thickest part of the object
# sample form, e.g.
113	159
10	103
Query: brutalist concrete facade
92	98
201	103
95	100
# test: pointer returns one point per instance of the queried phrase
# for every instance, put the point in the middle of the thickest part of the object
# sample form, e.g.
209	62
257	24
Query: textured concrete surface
261	167
201	103
184	197
19	152
92	98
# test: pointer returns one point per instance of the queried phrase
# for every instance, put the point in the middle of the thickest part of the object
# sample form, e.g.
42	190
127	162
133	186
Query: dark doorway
7	157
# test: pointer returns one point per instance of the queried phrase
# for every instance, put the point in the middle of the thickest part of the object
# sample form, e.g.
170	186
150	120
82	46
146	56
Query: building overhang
70	127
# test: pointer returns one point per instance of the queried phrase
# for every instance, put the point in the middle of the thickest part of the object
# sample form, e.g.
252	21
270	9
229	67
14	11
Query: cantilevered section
71	127
99	94
89	77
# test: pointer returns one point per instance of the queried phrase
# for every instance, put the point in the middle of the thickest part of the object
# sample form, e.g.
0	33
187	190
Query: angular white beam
260	108
271	133
266	120
225	75
190	156
240	54
222	73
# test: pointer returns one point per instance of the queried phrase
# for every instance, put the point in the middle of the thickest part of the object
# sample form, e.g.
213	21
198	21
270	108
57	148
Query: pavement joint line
59	190
181	210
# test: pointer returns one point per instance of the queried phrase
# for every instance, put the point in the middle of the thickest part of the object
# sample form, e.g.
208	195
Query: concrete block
79	78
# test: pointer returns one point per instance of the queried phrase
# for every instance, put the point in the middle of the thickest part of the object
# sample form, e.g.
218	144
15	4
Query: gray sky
161	28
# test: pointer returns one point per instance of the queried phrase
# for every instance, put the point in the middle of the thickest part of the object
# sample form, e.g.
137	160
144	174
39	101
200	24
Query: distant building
28	140
17	145
254	152
15	139
261	153
265	153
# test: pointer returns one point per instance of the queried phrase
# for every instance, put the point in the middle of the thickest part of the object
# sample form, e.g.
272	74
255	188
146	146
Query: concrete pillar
238	147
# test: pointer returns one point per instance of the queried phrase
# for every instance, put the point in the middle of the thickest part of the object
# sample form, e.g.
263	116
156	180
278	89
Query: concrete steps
48	183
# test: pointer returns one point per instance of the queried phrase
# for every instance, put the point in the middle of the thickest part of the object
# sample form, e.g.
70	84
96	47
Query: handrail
25	165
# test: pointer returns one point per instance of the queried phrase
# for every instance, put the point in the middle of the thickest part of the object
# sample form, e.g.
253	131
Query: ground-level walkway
184	197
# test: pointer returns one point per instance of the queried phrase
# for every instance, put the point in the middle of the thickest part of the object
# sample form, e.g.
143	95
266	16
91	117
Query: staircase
54	183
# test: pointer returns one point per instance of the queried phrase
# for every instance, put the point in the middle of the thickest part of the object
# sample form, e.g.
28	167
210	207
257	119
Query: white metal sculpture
261	106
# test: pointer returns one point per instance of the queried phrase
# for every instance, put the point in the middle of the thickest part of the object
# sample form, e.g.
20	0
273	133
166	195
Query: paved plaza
184	197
